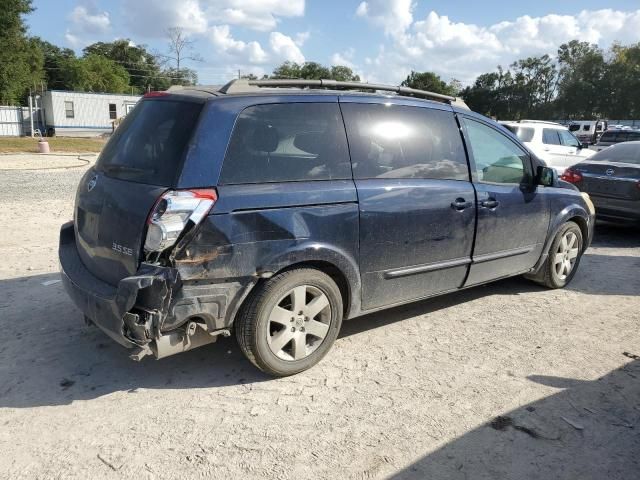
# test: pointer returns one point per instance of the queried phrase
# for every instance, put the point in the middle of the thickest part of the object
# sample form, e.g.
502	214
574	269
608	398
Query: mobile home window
68	110
113	114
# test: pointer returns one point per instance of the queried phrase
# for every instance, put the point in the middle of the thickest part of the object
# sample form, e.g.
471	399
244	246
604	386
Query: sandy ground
503	381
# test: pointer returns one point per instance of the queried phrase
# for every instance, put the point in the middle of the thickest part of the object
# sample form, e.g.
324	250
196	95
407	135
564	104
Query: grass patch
56	144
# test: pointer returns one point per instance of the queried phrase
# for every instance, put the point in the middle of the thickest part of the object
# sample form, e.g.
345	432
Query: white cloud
464	50
395	16
301	38
344	58
224	43
152	18
285	48
89	20
86	23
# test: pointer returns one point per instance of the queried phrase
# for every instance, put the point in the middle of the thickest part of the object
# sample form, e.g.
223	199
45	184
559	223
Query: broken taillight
172	213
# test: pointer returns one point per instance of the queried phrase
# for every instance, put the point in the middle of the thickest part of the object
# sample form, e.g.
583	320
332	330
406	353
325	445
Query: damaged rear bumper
134	312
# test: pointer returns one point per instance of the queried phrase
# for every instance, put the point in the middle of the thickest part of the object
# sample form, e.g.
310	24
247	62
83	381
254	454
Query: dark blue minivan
279	208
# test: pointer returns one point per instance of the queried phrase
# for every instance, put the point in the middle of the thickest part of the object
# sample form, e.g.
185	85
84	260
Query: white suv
551	142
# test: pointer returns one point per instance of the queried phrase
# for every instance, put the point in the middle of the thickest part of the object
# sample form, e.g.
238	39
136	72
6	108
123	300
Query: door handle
460	204
490	203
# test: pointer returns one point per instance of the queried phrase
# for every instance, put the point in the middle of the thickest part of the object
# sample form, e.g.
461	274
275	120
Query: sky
381	40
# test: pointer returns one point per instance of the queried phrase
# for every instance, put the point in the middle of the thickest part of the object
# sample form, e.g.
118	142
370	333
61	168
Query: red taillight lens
572	176
155	94
171	214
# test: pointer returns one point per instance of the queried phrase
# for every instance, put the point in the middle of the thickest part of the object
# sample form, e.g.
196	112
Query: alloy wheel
298	323
566	255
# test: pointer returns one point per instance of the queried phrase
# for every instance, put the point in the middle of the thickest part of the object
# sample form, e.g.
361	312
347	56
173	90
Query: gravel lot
503	381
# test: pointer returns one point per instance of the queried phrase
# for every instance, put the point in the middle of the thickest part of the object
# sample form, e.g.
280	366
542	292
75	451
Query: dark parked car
612	179
277	213
613	137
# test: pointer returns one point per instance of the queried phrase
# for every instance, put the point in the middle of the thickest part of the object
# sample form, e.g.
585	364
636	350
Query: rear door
417	204
513	216
555	152
142	160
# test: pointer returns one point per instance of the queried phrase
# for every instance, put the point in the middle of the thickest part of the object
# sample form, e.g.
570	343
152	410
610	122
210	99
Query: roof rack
540	121
246	86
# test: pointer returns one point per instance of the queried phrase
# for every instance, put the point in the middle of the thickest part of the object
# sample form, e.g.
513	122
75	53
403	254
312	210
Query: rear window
622	153
608	137
525	134
149	145
287	143
392	141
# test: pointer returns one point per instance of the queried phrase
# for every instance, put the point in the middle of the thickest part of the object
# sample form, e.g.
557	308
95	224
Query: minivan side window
287	142
550	136
497	159
395	141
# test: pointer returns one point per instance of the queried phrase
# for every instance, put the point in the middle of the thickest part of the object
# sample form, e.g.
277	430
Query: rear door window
394	141
550	136
289	142
149	145
525	134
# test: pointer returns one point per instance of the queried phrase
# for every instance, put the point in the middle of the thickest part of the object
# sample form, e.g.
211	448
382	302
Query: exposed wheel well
582	223
334	272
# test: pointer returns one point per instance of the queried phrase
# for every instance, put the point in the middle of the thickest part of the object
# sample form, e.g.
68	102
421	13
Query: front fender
573	211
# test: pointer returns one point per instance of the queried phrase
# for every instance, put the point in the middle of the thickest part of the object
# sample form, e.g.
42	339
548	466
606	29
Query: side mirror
546	176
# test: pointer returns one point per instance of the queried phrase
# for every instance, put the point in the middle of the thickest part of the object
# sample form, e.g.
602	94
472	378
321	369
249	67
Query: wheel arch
572	213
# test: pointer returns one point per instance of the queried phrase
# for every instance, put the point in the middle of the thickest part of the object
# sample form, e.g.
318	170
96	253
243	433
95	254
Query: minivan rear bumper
107	306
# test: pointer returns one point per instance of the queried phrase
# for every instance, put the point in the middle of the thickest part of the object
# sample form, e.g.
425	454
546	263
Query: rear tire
290	322
564	257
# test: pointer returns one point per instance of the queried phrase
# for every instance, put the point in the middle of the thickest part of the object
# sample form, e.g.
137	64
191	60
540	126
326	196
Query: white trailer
78	114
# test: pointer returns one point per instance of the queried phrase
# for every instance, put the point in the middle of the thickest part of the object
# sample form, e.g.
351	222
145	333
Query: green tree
287	70
314	71
20	59
343	74
143	67
620	93
428	81
57	62
95	73
581	73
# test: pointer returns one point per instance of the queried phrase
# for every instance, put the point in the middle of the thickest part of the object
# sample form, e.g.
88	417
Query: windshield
149	144
621	153
525	134
574	128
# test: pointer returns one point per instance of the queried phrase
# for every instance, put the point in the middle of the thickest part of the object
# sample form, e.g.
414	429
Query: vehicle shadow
587	431
48	356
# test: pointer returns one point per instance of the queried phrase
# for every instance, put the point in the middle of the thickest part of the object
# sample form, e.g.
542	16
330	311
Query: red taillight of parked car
173	212
572	176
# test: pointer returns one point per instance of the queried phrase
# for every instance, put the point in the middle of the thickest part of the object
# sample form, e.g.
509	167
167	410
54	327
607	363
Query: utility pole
238	74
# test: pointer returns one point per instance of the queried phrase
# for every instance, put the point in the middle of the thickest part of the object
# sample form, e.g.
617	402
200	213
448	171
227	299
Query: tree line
583	81
580	81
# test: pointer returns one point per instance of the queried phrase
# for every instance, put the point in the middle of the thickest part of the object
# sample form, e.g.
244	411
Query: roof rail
540	121
245	86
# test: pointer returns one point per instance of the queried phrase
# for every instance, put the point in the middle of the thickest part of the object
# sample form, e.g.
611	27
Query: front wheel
564	256
290	322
